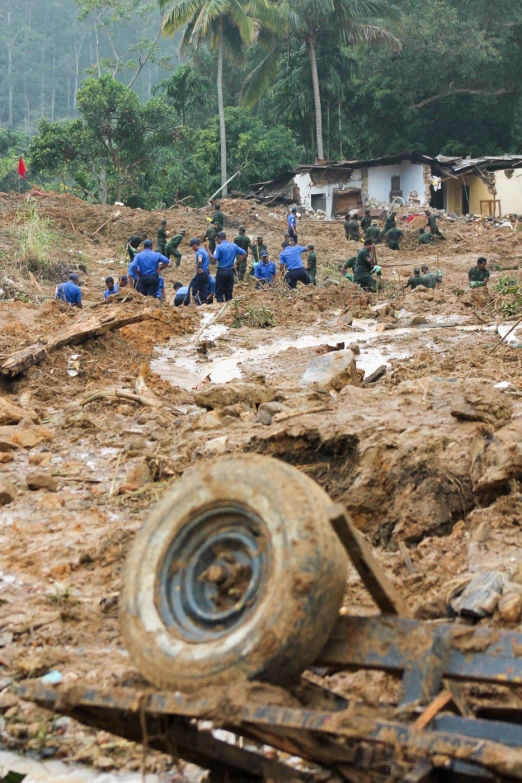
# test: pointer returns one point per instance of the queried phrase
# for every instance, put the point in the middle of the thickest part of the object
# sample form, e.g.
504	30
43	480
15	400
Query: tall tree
228	26
344	22
183	89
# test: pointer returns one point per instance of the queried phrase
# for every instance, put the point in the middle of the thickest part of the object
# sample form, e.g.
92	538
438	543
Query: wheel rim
213	573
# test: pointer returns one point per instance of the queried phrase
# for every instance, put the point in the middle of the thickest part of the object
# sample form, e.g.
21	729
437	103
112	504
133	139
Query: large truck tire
237	575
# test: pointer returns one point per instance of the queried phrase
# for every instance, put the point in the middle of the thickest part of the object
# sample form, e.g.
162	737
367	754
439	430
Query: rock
27	439
12	414
273	407
480	401
215	447
210	421
510	606
6	446
37	480
125	410
512	587
138	476
496	457
481	596
215	395
332	371
424	295
418	321
135	445
375	375
7	492
355	348
264	417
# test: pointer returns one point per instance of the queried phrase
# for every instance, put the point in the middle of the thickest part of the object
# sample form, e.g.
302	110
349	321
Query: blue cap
73	276
147	243
194	241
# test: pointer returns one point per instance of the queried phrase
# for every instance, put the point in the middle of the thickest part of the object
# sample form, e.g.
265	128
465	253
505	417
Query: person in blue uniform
181	294
292	224
199	283
70	292
295	271
211	290
112	287
160	293
265	272
225	254
144	269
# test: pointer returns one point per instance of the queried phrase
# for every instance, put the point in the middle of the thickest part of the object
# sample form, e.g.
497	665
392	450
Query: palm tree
183	89
344	21
228	26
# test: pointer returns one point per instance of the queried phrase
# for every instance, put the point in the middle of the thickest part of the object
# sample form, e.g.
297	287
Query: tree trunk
221	109
317	100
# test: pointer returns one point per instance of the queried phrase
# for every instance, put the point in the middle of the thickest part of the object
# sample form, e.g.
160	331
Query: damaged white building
489	186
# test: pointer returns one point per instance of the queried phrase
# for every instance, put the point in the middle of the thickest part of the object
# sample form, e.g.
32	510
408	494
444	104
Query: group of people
231	261
391	233
230	258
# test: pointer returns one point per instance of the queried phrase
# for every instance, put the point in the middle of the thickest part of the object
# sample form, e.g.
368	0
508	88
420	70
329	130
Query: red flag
21	167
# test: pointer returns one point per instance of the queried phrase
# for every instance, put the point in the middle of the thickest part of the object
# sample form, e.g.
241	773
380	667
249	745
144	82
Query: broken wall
478	191
317	183
509	191
412	176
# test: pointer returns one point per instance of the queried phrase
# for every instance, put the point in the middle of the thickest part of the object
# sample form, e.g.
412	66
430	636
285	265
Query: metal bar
496	757
392	643
422	677
174	735
373	577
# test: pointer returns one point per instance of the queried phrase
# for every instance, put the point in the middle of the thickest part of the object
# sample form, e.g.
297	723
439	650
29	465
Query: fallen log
85	328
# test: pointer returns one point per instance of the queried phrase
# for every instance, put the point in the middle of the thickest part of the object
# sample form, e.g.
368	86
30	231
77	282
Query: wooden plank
373	577
87	326
438	704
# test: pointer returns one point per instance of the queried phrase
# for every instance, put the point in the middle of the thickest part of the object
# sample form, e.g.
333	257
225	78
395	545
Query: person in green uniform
210	236
425	237
257	248
430	279
162	235
244	242
390	223
478	275
431	222
349	264
132	244
373	233
364	267
355	231
172	247
286	239
346	224
414	281
393	238
311	267
218	217
366	221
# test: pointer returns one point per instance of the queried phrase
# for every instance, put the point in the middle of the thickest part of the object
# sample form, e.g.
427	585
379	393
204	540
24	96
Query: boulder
496	457
12	414
7	493
215	395
38	480
29	438
332	371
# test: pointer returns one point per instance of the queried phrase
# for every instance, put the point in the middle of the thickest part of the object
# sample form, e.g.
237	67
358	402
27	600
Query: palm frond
370	34
257	81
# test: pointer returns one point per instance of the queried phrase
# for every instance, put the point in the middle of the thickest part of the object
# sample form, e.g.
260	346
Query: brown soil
411	457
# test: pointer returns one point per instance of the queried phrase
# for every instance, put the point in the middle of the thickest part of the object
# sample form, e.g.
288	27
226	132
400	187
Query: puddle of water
181	366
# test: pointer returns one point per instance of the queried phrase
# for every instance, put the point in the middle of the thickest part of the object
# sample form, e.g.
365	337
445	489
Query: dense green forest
149	102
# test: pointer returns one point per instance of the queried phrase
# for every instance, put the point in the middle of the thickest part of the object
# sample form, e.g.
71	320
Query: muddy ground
428	455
